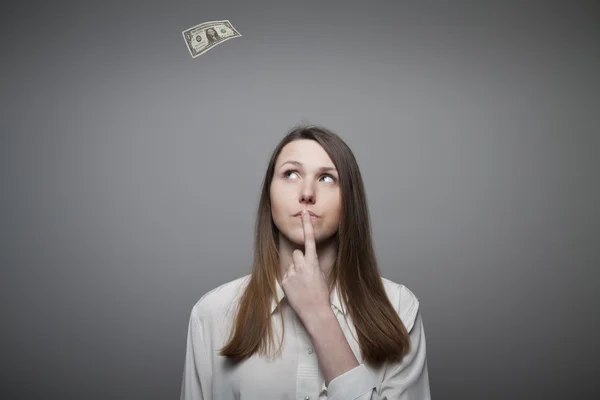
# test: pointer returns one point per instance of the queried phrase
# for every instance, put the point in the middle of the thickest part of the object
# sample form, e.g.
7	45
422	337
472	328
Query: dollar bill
203	37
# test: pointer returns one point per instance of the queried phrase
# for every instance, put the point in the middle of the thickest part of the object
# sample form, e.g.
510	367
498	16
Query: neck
326	253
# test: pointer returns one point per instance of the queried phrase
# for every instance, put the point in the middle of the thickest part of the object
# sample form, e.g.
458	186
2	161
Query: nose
307	196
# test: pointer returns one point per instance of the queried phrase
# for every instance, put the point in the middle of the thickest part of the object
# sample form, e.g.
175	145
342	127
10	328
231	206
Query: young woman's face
305	178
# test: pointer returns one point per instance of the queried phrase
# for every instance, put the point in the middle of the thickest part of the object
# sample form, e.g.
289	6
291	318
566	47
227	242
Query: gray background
130	173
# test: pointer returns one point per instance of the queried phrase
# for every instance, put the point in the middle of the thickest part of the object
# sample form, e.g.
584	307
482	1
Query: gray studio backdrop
130	175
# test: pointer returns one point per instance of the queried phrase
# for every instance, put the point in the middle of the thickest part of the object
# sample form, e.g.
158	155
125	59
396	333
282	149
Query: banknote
203	37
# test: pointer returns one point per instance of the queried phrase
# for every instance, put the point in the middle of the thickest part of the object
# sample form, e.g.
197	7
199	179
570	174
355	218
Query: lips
312	214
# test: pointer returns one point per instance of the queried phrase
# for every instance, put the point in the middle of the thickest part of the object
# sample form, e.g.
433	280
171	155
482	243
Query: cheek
335	216
334	205
279	204
282	198
275	210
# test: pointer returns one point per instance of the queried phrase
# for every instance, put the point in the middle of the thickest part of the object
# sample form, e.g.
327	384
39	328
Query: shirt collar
334	298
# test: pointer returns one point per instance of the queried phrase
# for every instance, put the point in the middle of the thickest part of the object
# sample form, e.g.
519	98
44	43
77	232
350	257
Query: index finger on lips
310	249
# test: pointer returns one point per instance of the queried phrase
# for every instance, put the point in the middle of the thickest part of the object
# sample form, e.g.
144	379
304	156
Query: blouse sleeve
405	380
409	379
197	374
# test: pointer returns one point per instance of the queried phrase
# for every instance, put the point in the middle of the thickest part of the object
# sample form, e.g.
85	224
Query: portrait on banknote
212	35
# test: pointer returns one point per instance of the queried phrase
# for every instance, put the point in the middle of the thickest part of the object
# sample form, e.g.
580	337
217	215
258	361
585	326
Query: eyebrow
299	164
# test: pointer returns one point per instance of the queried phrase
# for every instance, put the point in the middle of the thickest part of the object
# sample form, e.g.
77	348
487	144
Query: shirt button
310	351
307	398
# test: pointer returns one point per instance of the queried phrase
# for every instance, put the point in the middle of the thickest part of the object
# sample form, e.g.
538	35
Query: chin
297	237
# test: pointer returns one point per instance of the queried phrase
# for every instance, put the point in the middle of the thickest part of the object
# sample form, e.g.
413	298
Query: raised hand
304	283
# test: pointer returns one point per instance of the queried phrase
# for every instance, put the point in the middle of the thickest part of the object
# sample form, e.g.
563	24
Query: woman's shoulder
220	300
405	302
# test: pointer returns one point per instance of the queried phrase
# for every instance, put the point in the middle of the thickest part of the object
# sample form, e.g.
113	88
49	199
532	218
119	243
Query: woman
343	331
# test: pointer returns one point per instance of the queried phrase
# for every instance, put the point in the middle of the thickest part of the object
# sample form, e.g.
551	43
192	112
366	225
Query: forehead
308	152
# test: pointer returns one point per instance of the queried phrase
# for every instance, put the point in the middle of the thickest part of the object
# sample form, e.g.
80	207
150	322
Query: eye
331	177
287	173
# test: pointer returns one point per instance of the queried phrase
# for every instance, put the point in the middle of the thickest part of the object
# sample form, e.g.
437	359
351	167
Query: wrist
316	320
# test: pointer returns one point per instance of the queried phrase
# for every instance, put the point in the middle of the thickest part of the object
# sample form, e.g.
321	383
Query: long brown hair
381	334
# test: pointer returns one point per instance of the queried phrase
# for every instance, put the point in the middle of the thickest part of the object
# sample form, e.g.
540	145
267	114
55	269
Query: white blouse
296	373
